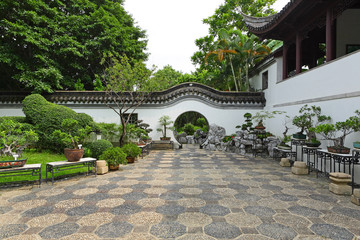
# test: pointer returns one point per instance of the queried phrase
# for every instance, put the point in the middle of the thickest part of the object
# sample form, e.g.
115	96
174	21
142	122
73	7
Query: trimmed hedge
47	117
98	147
14	119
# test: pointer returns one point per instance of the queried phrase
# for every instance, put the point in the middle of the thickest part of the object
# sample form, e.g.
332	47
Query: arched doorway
191	128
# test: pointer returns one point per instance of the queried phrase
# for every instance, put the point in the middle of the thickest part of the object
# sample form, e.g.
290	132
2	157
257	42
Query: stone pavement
183	194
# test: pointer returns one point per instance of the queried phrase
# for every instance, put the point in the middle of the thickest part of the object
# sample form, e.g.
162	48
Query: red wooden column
285	61
298	53
329	35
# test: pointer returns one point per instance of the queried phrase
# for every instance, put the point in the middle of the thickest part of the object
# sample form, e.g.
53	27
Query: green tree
128	85
226	17
166	77
48	45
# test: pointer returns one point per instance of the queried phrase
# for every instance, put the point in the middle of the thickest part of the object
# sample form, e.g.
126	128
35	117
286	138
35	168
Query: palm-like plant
242	52
223	48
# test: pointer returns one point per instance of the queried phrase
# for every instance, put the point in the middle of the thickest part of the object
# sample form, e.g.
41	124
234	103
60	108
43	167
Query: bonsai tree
261	116
72	136
330	131
14	137
114	156
248	123
310	117
286	138
165	122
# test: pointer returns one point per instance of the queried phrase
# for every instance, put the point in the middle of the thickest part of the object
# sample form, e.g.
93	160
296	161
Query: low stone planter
300	168
355	198
339	183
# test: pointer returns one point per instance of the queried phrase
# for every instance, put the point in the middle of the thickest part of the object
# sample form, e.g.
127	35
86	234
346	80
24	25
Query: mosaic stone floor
183	194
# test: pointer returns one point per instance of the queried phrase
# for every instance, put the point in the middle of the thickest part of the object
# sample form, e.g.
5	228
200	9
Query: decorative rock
299	168
285	162
339	183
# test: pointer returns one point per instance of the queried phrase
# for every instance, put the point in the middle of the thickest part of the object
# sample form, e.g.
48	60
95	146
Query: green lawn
34	156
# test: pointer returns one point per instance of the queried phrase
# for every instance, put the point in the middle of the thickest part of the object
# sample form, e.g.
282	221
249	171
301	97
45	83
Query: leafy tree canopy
49	45
227	19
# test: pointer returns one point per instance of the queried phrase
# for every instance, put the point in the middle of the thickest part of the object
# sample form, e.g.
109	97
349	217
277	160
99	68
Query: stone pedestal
355	198
339	183
284	162
300	168
101	166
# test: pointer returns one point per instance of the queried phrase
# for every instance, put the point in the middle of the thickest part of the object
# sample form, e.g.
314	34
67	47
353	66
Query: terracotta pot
73	155
341	150
131	159
165	138
114	167
260	127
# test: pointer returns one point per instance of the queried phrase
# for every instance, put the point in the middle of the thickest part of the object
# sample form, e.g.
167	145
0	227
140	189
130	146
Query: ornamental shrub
14	119
201	122
98	147
189	129
131	150
114	156
47	117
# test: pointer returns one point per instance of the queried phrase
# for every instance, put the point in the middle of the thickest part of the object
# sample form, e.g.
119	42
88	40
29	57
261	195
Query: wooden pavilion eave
297	16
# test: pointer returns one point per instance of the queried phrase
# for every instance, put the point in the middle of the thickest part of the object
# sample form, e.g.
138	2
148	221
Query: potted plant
165	123
14	137
114	156
356	127
261	116
329	132
308	119
286	138
73	137
131	151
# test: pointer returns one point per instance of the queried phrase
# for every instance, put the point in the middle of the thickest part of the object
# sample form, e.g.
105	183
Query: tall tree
227	17
128	85
166	77
48	45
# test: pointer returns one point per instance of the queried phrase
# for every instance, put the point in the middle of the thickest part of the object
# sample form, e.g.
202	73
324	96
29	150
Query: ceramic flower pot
73	155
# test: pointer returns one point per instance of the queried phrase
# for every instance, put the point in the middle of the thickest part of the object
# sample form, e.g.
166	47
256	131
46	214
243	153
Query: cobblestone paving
184	194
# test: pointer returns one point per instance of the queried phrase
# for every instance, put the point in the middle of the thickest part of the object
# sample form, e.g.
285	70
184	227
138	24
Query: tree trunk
232	69
123	133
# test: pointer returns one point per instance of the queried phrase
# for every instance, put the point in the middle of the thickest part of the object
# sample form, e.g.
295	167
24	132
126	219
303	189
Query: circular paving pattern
188	194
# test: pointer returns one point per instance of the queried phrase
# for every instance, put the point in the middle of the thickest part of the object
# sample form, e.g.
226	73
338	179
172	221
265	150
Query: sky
172	26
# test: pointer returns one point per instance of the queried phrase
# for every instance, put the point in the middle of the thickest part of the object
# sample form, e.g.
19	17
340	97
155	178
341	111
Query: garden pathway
183	194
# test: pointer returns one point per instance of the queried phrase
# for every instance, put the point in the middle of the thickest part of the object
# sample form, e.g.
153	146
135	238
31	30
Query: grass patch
34	156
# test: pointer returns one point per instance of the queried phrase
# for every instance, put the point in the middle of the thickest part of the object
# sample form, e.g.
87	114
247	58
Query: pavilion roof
297	15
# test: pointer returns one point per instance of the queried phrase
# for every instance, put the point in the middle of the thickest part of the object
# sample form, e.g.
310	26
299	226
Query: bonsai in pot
261	116
73	137
165	123
132	151
114	156
329	132
286	138
308	119
356	127
14	137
